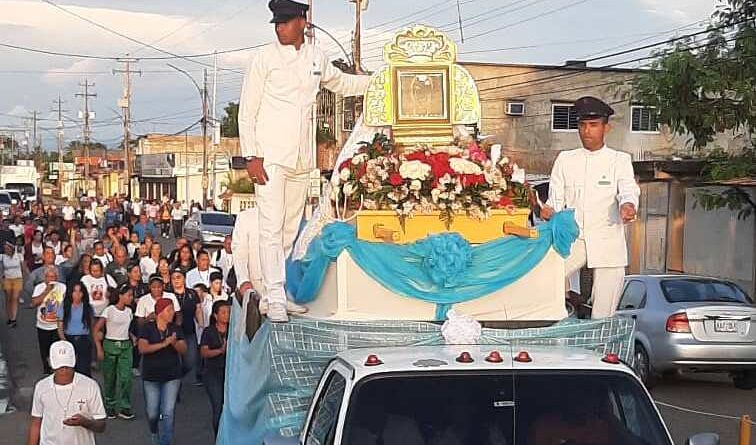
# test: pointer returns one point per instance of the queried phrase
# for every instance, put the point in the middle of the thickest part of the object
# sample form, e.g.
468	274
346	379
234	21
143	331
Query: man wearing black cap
599	184
275	130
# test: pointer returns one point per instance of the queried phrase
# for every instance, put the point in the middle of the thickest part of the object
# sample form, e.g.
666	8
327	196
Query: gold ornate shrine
421	93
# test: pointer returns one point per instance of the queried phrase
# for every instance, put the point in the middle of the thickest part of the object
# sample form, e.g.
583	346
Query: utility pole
216	129
34	145
85	115
205	178
357	50
125	103
60	103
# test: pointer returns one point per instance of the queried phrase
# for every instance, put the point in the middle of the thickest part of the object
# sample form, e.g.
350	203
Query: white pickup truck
444	395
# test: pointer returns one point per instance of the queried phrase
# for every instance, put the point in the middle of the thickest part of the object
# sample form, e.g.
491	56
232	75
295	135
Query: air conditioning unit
516	108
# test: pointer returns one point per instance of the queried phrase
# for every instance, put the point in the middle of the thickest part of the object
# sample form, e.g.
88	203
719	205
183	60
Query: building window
644	119
563	117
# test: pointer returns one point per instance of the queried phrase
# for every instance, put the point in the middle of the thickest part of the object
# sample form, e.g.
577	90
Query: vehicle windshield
14	194
217	219
5	198
26	189
683	290
533	408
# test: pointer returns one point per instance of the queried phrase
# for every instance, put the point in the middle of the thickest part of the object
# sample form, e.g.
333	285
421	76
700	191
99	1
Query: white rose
414	170
504	161
416	185
348	189
344	174
360	158
465	167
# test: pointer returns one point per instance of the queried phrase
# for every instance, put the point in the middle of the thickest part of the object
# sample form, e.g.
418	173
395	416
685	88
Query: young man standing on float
275	129
598	183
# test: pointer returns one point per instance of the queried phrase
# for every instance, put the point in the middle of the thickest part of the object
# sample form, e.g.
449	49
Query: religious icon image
422	95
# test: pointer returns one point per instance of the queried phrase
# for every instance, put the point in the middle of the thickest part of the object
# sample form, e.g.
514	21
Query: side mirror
703	439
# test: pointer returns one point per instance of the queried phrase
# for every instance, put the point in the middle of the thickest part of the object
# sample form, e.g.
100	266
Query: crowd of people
103	288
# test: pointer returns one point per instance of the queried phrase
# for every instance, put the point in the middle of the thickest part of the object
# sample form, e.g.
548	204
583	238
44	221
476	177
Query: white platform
348	293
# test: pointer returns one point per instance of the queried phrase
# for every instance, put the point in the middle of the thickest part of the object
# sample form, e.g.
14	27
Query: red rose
504	202
417	156
471	180
395	179
345	164
361	170
439	163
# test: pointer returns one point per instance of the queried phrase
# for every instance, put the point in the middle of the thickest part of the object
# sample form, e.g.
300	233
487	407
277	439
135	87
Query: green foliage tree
701	89
230	121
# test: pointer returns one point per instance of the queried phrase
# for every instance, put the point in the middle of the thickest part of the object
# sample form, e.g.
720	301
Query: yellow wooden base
384	225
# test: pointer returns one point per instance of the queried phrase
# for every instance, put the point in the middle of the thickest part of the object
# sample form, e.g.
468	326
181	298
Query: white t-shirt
224	263
148	266
146	304
47	312
89	214
195	276
54	403
177	214
117	322
104	259
136	209
97	288
57	247
18	229
68	213
12	265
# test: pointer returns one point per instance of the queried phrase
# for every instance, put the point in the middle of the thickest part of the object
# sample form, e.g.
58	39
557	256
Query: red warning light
611	358
373	360
465	357
494	357
523	357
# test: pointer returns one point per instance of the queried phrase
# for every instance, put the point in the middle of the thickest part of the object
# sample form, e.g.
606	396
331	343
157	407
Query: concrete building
172	165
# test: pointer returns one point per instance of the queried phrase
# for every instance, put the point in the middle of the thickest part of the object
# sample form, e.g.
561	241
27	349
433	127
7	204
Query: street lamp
203	97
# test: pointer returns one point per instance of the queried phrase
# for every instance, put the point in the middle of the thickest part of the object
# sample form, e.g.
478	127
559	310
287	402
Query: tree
230	121
703	89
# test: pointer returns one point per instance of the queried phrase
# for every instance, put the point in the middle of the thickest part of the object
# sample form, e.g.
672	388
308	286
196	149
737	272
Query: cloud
679	11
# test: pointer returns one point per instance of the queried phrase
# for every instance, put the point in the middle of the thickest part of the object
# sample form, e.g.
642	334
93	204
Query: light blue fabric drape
443	269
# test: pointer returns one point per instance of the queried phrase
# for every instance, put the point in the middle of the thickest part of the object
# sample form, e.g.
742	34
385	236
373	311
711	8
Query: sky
166	101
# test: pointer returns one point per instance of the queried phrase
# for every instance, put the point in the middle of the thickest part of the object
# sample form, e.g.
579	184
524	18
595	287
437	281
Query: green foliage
721	166
230	121
241	185
705	88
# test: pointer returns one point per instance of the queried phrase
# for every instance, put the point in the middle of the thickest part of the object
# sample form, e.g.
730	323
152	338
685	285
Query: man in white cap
67	408
275	130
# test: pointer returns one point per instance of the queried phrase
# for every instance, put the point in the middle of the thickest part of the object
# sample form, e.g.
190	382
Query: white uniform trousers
280	203
607	281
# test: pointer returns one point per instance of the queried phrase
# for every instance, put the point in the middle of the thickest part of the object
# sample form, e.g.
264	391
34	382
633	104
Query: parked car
691	323
16	197
481	395
209	227
5	203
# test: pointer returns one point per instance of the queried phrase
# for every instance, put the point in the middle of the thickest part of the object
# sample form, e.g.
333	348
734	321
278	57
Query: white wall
718	244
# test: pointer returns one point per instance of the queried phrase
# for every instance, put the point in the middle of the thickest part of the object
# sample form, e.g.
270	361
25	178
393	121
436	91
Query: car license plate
726	325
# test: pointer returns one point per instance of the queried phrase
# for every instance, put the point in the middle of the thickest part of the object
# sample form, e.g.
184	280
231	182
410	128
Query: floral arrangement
459	179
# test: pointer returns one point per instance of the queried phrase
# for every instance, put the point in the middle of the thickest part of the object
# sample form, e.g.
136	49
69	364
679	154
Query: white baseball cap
62	355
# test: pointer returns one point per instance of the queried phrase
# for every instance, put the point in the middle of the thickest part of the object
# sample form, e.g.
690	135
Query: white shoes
291	308
277	313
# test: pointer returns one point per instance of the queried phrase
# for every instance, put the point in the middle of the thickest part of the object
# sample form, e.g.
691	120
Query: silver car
691	323
210	228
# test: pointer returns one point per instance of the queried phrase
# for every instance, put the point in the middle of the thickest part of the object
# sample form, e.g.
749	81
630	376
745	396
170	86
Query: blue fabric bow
442	269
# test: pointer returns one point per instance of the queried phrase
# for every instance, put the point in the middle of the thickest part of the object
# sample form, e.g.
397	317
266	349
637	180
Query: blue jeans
190	360
160	402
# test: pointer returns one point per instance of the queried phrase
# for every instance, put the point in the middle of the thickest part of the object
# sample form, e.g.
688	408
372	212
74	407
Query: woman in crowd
80	270
185	260
13	267
133	246
47	297
74	325
149	263
161	344
213	350
89	235
165	220
164	270
116	353
66	255
216	287
98	285
136	284
34	251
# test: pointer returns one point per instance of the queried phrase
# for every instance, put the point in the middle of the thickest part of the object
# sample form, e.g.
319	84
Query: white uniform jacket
596	184
280	88
245	245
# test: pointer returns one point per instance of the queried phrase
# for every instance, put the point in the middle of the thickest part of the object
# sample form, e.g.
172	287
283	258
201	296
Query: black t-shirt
214	340
188	302
165	364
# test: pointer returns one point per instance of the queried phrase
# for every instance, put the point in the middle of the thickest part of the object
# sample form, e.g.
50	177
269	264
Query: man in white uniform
599	184
275	128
